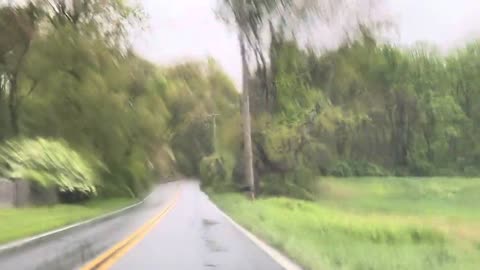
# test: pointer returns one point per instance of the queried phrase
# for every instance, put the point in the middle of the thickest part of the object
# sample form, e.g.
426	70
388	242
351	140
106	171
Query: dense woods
366	108
106	113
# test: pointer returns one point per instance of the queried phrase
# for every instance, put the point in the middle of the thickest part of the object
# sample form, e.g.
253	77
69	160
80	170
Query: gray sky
184	29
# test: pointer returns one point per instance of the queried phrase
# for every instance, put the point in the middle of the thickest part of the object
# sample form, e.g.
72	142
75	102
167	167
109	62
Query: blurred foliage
364	108
49	163
356	168
67	74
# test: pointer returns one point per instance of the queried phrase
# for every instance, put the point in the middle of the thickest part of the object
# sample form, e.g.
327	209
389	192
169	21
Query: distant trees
256	22
67	74
365	108
368	109
18	29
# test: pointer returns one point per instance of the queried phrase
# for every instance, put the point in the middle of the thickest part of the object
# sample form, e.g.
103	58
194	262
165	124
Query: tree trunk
427	135
12	106
247	133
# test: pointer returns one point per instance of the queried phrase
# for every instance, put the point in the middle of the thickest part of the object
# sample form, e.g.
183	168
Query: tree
239	9
110	21
18	28
250	17
20	24
78	82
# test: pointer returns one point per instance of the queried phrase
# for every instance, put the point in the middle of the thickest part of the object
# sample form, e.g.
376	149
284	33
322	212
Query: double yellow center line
111	256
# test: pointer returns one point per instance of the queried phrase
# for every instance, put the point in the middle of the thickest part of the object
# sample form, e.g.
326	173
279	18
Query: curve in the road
168	231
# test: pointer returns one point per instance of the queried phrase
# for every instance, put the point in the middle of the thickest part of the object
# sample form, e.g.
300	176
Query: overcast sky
184	29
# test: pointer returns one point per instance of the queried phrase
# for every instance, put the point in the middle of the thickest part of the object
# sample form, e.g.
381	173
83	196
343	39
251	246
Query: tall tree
239	10
254	19
18	27
250	17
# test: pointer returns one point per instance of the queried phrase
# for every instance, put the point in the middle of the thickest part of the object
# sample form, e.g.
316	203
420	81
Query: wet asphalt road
193	235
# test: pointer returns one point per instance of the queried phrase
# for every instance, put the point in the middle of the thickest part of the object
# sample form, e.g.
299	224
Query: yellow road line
111	256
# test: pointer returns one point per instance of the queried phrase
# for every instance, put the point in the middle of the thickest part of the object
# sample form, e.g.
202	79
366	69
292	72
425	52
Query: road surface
177	227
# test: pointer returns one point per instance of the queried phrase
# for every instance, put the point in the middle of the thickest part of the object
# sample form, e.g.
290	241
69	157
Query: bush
317	157
49	163
369	169
421	168
471	171
356	168
341	169
184	164
213	172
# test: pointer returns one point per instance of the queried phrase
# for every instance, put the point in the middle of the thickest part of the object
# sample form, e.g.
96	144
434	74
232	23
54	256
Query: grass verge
25	222
364	224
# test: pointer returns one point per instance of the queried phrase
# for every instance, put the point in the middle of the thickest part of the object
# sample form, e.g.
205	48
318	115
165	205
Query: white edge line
276	255
26	241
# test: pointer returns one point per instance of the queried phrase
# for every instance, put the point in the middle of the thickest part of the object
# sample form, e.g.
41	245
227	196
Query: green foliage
204	107
351	168
49	163
73	78
406	223
341	169
213	172
365	109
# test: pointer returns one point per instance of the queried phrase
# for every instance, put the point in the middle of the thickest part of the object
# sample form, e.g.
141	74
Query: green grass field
371	223
20	223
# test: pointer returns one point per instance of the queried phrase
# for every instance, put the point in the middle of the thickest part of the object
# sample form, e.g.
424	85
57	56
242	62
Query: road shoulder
276	255
19	245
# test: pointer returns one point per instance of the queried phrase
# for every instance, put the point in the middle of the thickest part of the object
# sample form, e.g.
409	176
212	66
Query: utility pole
247	130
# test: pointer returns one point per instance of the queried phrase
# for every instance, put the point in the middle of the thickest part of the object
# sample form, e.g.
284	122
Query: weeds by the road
20	223
371	224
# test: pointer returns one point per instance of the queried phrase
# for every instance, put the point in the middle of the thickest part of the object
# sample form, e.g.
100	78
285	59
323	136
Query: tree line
366	108
77	103
70	81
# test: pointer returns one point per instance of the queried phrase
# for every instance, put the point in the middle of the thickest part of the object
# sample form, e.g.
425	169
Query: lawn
371	223
20	223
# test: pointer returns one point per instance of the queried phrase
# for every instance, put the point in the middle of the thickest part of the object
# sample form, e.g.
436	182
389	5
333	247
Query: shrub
184	164
369	169
49	163
421	168
356	168
317	157
213	172
471	171
341	169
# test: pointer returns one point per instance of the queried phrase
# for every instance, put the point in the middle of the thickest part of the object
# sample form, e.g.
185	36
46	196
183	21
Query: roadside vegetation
21	223
367	108
81	113
371	223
